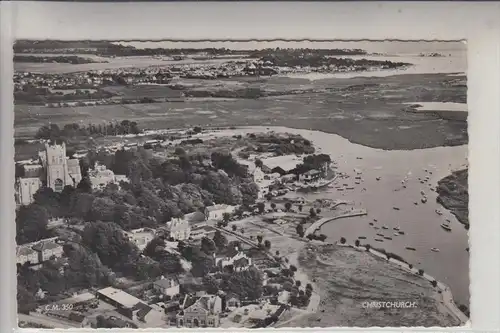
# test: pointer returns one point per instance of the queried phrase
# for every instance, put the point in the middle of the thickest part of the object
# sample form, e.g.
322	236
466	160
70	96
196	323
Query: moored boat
410	248
385	227
361	237
388	238
381	235
401	232
378	240
435	249
395	208
445	227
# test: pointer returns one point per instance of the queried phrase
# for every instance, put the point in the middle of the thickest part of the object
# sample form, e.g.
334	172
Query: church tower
56	166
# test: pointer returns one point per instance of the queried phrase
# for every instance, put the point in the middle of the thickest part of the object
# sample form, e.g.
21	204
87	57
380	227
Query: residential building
202	231
239	261
48	249
26	189
141	237
310	176
216	212
167	286
200	311
233	302
179	228
100	176
25	254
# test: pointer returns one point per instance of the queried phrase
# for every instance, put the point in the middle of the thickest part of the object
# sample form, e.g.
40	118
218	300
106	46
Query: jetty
317	225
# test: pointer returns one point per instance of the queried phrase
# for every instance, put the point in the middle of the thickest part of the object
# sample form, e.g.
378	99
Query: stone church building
54	170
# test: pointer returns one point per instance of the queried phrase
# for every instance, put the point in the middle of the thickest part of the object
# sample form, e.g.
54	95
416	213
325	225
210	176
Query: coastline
446	314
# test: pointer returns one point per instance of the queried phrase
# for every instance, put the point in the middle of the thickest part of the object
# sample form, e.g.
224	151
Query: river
420	222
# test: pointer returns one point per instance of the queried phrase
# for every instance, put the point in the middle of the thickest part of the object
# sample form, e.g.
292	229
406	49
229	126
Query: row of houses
38	252
190	226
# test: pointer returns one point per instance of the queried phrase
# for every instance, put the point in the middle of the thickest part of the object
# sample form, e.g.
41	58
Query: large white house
216	212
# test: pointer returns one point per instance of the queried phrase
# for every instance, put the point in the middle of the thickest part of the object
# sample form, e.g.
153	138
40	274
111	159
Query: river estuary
419	221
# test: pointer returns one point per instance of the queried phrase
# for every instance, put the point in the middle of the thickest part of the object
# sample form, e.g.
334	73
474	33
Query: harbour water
419	222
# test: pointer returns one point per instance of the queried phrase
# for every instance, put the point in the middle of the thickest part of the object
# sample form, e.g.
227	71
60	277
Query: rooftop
286	162
120	297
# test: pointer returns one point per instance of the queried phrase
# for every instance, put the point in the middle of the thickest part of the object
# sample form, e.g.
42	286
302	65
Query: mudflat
366	110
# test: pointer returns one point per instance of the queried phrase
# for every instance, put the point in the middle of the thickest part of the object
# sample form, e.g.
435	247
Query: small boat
378	178
357	183
375	220
376	228
395	208
410	248
396	228
385	227
415	203
422	193
357	177
349	188
378	240
421	182
381	235
404	186
388	238
467	249
445	227
371	223
434	249
424	200
361	237
439	212
401	232
396	234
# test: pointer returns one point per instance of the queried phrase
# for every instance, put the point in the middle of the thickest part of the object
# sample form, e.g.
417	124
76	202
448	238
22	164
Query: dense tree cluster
279	145
54	132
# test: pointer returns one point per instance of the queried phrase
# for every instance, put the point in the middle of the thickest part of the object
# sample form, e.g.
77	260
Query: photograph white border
477	23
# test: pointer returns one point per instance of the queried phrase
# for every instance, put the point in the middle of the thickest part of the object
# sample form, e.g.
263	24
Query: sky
247	20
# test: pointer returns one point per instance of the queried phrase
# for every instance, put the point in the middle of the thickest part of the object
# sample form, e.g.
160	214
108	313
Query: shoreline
445	296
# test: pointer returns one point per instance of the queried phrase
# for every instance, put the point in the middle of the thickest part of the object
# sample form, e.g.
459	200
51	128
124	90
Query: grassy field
347	278
368	111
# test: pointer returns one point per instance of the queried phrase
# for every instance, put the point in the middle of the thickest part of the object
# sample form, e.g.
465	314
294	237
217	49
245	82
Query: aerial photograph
258	184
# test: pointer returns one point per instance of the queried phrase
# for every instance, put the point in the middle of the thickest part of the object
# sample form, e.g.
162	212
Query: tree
273	205
421	272
297	283
261	207
312	212
277	252
342	240
300	208
220	240
233	227
85	185
368	247
288	205
267	244
259	239
226	217
434	283
31	223
300	230
197	129
318	211
357	243
109	243
246	284
208	245
293	268
153	247
259	163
